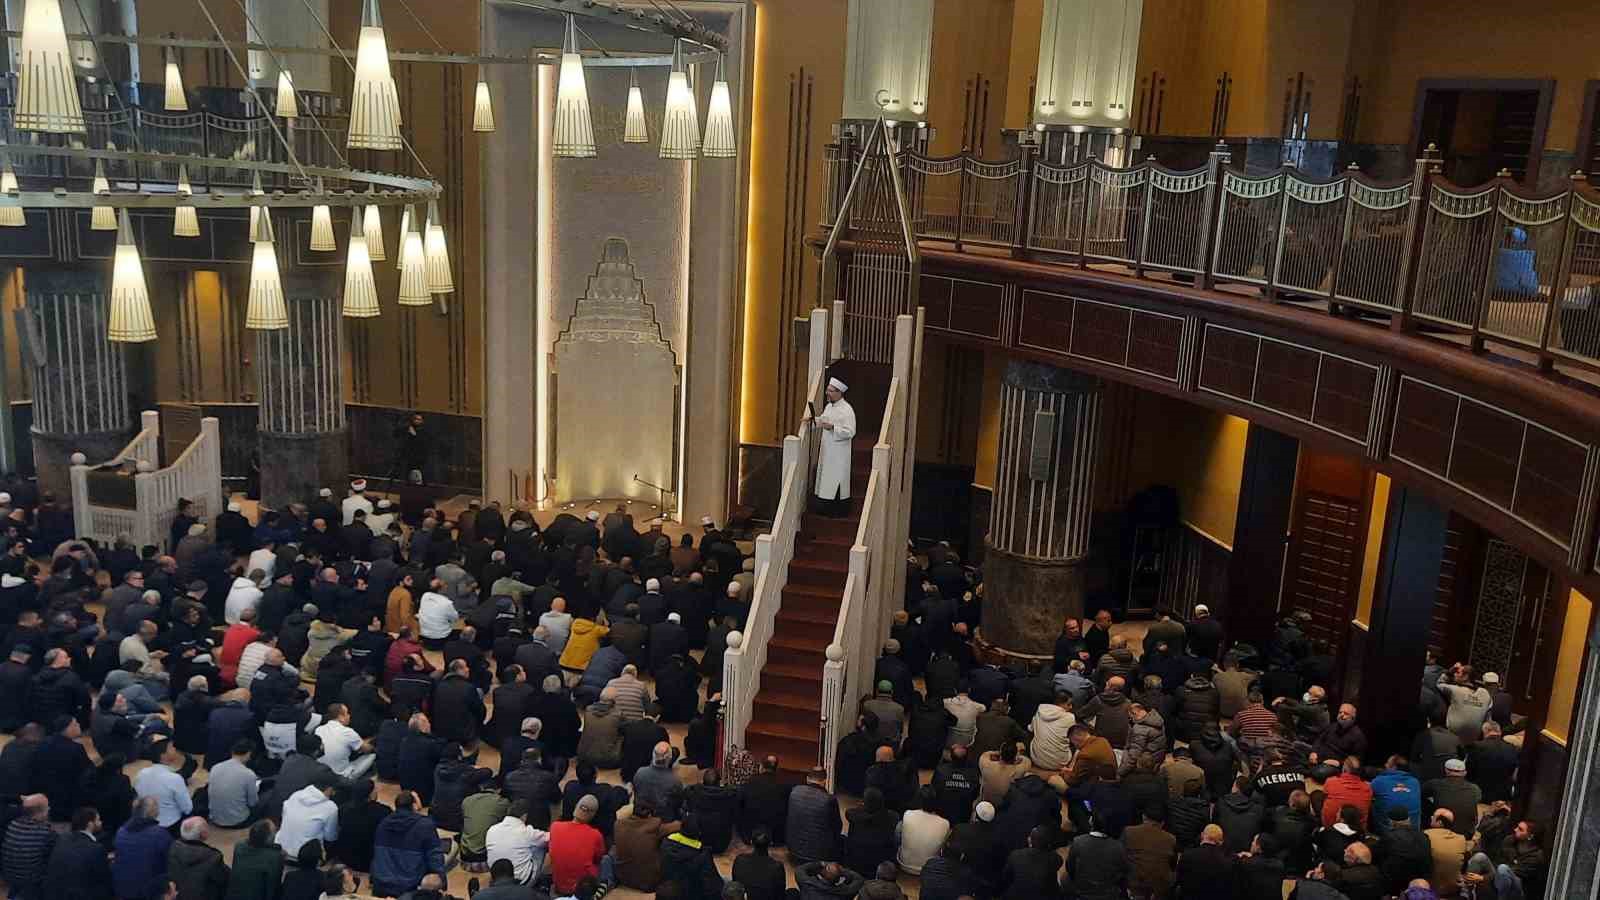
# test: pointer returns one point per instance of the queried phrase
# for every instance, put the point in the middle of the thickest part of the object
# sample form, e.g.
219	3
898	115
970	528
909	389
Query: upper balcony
1448	334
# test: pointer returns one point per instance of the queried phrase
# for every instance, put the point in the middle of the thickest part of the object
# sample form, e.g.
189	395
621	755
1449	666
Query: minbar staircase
786	712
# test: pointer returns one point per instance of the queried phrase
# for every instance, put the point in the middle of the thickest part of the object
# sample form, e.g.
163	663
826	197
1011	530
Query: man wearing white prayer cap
356	500
838	424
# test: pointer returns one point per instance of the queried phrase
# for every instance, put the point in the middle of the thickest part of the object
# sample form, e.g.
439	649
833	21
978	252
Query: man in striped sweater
27	847
1254	726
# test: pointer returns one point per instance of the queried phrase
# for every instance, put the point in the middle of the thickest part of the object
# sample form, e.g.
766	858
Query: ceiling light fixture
287	106
360	290
413	265
438	255
265	310
374	101
400	239
102	218
131	321
176	100
574	128
47	90
255	191
372	224
185	221
720	142
482	107
322	225
636	130
680	126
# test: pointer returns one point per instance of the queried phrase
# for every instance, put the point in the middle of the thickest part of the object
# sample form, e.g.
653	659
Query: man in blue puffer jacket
405	848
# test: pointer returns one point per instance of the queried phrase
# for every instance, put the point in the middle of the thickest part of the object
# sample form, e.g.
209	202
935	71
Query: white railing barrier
105	523
747	651
875	578
196	475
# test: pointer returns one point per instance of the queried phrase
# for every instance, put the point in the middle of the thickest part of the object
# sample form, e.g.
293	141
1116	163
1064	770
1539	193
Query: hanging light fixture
635	130
176	100
265	310
10	216
413	265
131	321
438	255
185	221
720	142
482	108
680	126
102	218
47	91
372	224
287	107
574	127
400	241
375	103
255	191
360	290
322	225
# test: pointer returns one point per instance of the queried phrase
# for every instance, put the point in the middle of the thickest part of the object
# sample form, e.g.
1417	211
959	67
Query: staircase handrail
144	447
196	475
746	655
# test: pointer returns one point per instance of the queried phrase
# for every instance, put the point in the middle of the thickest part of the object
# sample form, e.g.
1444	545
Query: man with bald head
658	785
27	846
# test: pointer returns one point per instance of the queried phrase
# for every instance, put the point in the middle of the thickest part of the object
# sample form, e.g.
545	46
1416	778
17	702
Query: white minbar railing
195	475
876	578
747	651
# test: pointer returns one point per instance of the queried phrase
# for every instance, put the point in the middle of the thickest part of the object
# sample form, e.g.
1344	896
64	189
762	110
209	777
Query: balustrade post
1019	235
1083	221
1480	312
961	201
1218	158
1422	172
1271	273
1144	216
1558	291
1347	224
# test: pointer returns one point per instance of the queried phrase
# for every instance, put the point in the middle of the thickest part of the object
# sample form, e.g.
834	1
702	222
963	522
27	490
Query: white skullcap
707	521
359	485
325	492
838	385
235	507
653	585
593	515
733	589
674	617
985	811
1201	609
383	504
197	528
5	498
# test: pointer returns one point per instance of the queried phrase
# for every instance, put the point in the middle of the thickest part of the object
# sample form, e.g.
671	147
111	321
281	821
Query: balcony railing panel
991	195
1313	224
1372	253
1175	220
1056	220
1115	213
1525	268
1247	228
933	192
1456	241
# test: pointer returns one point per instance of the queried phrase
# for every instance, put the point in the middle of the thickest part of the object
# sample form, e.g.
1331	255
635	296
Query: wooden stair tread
796	671
789	729
807	616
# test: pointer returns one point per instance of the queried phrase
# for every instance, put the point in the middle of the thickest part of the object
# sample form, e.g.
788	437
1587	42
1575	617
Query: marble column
1043	500
302	433
79	379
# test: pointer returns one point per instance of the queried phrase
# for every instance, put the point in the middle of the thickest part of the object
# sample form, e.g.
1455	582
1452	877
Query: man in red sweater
578	850
1347	788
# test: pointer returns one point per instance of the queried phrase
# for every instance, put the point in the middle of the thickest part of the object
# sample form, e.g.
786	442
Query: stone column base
52	456
1024	601
294	466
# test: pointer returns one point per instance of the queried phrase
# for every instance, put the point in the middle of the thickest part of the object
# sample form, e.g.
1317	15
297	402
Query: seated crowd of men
289	659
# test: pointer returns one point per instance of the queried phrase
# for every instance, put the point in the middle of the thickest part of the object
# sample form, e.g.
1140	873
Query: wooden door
1328	532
